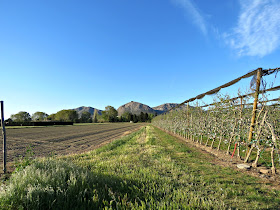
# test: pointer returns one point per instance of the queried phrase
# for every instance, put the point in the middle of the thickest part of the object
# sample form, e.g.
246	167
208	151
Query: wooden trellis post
252	127
4	138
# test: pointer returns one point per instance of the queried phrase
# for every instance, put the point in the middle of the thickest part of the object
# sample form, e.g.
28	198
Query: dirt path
62	140
220	158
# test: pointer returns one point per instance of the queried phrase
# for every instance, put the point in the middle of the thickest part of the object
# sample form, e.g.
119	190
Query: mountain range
132	107
89	109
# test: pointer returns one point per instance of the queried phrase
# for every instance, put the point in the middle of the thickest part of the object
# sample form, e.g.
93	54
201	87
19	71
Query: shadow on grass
62	185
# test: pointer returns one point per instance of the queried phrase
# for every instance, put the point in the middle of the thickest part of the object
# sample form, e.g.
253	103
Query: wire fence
246	126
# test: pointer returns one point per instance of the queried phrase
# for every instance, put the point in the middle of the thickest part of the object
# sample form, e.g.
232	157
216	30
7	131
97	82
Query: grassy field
148	169
61	140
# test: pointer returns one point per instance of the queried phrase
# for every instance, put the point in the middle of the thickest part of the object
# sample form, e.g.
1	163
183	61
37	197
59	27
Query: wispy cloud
194	13
258	29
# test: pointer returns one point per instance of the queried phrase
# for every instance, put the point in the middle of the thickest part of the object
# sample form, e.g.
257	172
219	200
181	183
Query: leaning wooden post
252	127
4	138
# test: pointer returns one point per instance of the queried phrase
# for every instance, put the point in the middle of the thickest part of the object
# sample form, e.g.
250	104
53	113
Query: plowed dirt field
62	140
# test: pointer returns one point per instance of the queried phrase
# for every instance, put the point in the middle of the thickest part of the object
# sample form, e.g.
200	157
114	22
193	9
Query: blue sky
62	54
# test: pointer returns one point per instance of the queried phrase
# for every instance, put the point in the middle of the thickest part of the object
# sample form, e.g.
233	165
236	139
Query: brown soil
62	140
222	159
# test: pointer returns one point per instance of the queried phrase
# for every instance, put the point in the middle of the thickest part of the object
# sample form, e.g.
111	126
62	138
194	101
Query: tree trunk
273	170
229	144
221	137
197	139
255	164
249	153
213	142
238	149
232	136
207	141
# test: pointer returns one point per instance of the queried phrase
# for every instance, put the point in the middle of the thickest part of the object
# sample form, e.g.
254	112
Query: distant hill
131	107
135	108
164	107
89	109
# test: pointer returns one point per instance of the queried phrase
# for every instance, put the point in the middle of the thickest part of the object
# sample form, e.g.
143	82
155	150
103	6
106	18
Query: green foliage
143	117
66	115
94	117
135	118
21	117
100	119
126	117
39	116
110	114
51	117
85	117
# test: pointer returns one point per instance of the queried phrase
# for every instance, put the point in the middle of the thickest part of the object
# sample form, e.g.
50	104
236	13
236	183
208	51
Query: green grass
148	169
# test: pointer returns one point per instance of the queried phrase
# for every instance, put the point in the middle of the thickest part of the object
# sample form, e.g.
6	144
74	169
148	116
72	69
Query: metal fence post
4	138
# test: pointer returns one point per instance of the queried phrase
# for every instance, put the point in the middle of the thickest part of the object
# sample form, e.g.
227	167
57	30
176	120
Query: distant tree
67	115
8	121
146	117
100	118
151	116
94	117
110	114
39	116
130	117
85	117
142	117
135	118
21	117
126	117
51	117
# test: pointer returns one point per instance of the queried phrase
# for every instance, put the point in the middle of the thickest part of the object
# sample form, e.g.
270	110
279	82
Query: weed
24	161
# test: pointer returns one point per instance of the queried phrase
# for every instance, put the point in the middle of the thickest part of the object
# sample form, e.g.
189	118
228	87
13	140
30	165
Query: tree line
110	114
